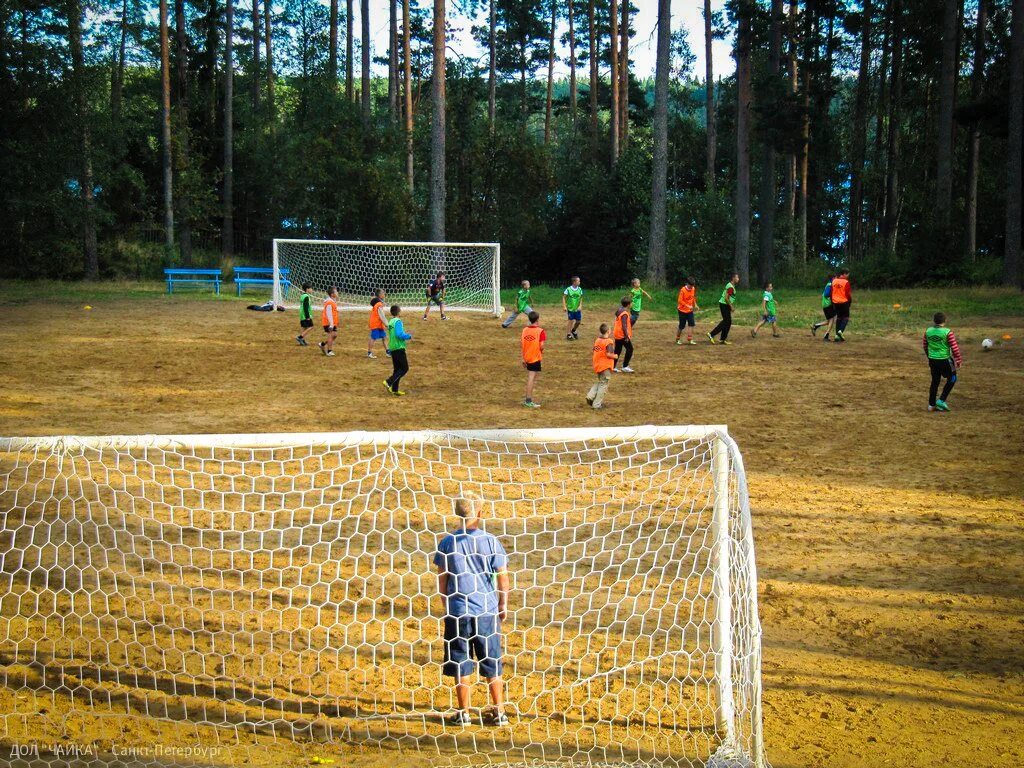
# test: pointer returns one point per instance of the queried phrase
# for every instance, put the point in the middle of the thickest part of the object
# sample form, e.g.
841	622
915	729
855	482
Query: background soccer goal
402	269
281	586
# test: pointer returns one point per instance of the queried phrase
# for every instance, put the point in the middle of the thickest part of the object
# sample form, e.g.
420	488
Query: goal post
283	585
358	267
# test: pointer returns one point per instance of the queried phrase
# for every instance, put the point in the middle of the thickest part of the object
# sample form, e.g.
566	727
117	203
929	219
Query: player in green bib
523	305
305	315
636	295
944	360
396	346
827	309
768	312
725	307
572	303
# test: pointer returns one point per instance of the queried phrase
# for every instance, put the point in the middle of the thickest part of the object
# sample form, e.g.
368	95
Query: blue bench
258	276
184	275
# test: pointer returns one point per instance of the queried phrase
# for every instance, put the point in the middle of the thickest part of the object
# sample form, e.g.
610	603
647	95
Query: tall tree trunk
117	77
332	46
659	171
350	87
624	76
973	155
165	129
855	238
228	229
881	114
492	67
767	193
1014	166
573	101
743	99
804	156
212	55
184	150
89	246
407	82
256	35
791	167
551	74
268	32
892	182
364	14
709	96
438	184
393	59
944	132
613	78
595	80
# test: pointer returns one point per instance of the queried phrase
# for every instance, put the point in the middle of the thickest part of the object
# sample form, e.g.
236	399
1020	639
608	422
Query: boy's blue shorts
768	318
472	637
576	314
377	333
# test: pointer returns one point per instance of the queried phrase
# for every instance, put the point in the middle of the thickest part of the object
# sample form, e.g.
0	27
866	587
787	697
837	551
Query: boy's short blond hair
467	506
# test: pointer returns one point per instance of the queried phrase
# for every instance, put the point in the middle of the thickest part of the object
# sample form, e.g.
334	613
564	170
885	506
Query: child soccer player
636	300
827	308
305	315
396	345
572	303
768	313
329	320
435	295
522	305
378	323
841	298
604	361
623	335
725	302
532	342
686	303
944	359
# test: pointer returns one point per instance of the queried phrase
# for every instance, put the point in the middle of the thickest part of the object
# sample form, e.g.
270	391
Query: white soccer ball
986	344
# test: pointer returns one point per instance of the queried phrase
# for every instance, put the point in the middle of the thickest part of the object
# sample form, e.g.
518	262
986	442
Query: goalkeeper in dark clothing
944	360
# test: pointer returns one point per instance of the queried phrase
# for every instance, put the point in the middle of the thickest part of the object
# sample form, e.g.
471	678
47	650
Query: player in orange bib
841	298
603	359
378	323
532	342
687	306
623	335
329	320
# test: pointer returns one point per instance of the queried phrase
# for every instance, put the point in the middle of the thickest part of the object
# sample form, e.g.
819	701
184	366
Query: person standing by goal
473	581
378	323
435	295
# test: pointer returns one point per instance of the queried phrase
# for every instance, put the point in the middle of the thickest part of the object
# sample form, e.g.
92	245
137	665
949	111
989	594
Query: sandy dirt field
890	541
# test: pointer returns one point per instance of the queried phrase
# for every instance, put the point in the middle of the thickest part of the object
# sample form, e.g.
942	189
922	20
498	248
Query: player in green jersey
725	307
636	296
944	360
522	307
768	313
305	315
572	303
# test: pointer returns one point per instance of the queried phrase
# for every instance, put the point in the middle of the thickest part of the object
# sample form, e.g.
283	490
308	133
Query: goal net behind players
233	589
402	269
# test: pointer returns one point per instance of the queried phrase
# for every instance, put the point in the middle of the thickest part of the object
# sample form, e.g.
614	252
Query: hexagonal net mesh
237	589
357	268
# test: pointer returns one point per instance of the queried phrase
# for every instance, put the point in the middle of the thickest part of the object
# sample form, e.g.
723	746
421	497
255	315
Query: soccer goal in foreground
358	267
225	588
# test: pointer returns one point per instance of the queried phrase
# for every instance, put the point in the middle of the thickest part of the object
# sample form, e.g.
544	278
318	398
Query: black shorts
842	310
686	319
330	328
830	311
306	323
533	366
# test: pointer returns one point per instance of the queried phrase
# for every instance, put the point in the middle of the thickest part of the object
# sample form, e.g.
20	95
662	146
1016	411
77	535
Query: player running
305	315
769	313
604	361
686	303
329	320
623	335
378	323
435	295
827	308
944	359
725	306
841	299
522	304
532	342
636	300
397	337
572	303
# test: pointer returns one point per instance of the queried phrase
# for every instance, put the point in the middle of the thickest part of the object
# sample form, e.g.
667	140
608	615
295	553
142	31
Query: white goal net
357	268
233	595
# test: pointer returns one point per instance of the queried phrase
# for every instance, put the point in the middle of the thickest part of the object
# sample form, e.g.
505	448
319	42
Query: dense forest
881	134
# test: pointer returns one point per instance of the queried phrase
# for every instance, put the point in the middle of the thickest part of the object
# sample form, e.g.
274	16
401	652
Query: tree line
881	134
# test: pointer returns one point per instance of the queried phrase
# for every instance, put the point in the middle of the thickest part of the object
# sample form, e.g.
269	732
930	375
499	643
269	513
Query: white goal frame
411	298
737	661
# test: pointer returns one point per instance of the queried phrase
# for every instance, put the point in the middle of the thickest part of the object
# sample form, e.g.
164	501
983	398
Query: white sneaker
627	369
616	370
329	353
371	356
